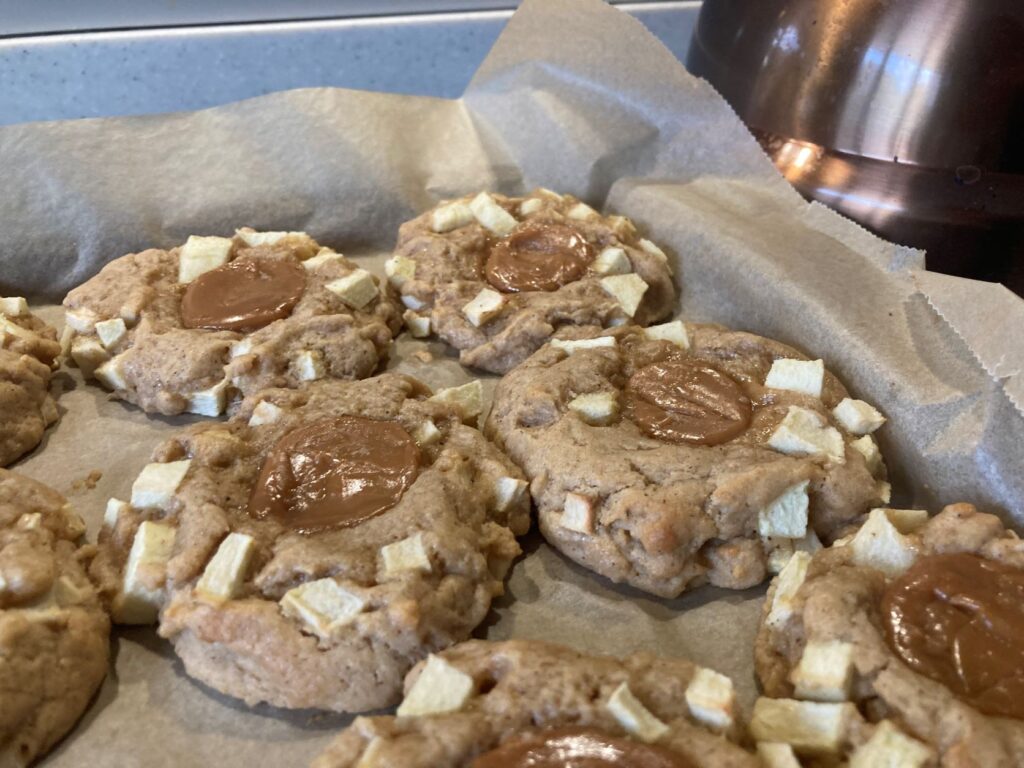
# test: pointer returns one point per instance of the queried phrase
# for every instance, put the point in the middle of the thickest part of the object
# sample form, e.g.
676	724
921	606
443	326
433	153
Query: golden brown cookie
902	644
29	353
496	277
54	633
678	454
195	328
310	550
524	703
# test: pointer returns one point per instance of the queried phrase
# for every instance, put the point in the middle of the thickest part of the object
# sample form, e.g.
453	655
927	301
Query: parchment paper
575	96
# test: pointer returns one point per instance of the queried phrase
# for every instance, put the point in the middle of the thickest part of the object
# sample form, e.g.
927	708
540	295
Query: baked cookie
677	454
901	645
29	353
530	704
313	548
195	328
54	633
496	277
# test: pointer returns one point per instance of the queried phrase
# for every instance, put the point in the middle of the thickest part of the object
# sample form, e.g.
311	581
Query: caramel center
335	473
538	257
243	295
687	401
959	619
577	748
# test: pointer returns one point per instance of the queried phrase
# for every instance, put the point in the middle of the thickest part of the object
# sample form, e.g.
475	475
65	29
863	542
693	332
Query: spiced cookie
197	327
54	633
526	703
310	550
678	454
496	277
29	353
900	645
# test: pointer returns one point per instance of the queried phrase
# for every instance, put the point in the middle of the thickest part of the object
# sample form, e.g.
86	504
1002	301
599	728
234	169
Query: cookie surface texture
195	328
311	549
659	457
911	631
29	353
519	703
54	633
496	277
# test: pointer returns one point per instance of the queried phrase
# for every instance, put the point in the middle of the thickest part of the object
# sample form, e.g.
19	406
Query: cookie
54	633
29	353
900	645
496	277
310	550
678	454
195	328
527	703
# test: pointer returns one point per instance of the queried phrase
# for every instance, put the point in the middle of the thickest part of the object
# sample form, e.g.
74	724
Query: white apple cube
418	325
889	747
209	402
468	398
111	332
674	332
786	516
787	584
484	307
225	573
357	288
530	205
612	261
804	376
776	754
858	417
157	483
324	606
824	672
711	698
13	306
399	269
439	688
451	216
509	492
627	290
323	257
265	412
491	215
809	727
570	346
309	365
596	408
200	255
578	514
88	354
868	448
147	563
634	716
581	212
880	545
409	554
804	432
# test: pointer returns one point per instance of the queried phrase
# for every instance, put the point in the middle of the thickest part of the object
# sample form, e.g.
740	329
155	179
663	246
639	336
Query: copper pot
905	115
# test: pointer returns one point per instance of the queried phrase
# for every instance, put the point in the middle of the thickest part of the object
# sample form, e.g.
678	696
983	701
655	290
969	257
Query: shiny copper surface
906	116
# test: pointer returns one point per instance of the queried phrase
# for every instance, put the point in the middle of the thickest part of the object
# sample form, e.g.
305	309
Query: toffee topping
959	619
687	401
538	256
243	295
335	473
578	748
